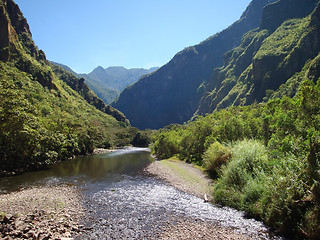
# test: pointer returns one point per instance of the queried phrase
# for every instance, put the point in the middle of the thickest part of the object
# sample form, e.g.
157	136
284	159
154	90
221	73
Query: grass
2	214
189	174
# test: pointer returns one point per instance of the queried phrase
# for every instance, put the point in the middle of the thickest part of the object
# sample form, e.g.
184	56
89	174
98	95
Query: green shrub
165	147
284	188
237	185
215	156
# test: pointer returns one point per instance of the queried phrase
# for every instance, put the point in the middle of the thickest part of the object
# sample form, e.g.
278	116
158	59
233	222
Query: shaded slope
172	93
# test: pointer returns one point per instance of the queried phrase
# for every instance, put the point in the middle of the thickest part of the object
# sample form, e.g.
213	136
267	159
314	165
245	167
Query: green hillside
271	61
47	114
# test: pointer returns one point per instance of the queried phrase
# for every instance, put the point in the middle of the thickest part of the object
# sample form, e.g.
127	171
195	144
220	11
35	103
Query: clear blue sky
131	33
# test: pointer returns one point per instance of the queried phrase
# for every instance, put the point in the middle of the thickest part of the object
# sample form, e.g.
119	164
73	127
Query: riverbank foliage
267	157
42	125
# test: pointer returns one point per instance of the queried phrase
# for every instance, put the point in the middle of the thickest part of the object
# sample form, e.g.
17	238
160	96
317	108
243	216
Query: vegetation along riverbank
256	129
263	157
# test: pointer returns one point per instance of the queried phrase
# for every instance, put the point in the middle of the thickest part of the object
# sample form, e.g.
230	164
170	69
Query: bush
281	191
141	139
165	147
215	156
237	185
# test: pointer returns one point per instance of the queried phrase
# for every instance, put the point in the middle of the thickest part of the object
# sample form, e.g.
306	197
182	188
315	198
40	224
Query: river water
125	202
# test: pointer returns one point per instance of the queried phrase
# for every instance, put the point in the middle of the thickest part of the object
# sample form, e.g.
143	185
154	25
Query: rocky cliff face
15	27
172	94
270	61
16	41
275	14
8	37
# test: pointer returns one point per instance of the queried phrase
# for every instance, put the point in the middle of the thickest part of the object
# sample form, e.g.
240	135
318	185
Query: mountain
172	94
103	92
65	67
109	82
117	78
271	61
47	114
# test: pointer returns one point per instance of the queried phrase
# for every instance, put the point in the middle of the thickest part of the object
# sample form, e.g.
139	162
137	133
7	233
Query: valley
234	119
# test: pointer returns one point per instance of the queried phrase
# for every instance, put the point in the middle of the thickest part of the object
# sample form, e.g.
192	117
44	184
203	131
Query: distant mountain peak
116	77
98	69
116	67
108	82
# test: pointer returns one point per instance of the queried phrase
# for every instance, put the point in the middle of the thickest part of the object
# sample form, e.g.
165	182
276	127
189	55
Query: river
123	201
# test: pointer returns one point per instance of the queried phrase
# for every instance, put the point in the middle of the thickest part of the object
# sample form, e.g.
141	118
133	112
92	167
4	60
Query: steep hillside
172	94
82	88
47	114
270	61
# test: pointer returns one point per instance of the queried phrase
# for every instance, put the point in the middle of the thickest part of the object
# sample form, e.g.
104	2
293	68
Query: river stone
8	218
32	234
45	236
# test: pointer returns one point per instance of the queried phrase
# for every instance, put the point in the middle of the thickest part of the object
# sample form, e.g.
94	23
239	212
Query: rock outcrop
14	27
8	37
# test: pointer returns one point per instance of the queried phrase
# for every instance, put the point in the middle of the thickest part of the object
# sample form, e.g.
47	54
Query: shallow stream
125	202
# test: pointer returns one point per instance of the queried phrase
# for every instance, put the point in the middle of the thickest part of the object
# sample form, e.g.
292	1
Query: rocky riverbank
192	180
41	213
132	207
196	229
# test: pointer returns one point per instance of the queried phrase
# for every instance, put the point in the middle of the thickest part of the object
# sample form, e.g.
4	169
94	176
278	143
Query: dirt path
190	179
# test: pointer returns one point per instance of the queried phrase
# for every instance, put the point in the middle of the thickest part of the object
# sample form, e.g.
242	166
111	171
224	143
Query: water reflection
92	169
